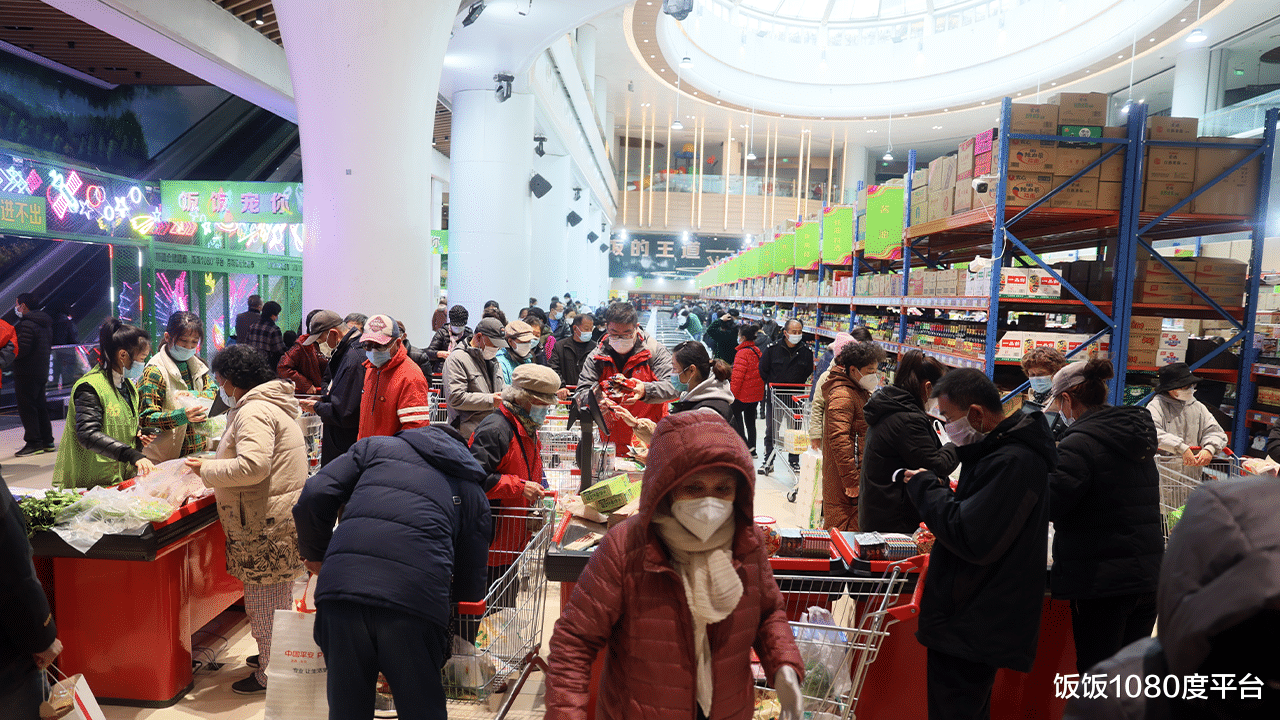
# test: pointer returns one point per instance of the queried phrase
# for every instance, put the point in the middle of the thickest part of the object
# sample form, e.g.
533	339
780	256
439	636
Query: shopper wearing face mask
625	351
257	477
850	382
818	401
440	317
449	338
1105	506
33	339
339	408
986	582
395	390
521	339
173	375
507	448
1184	425
679	595
789	361
1040	365
901	432
472	378
106	447
571	352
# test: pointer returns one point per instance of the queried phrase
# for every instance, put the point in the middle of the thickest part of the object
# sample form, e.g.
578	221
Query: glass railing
713	184
1239	118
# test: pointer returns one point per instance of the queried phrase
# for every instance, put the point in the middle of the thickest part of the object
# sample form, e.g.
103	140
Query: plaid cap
380	329
322	322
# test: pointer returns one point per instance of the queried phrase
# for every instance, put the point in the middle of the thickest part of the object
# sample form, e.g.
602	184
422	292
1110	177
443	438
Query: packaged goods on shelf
1159	196
1172	129
1079	109
1079	195
1033	156
1171	164
940	205
964	162
1268	396
1112	169
942	176
1086	134
1010	347
1072	159
1022	189
919	179
963	201
1034	119
984	142
1110	195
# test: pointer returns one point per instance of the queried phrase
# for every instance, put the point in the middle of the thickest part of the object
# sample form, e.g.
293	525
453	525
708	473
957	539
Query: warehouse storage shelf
952	359
1064	305
1222	374
1051	226
1266	370
1262	417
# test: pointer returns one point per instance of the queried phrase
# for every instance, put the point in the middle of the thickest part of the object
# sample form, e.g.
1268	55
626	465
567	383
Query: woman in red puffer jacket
747	385
692	545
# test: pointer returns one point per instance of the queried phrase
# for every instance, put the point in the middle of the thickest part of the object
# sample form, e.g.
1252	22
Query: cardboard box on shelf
1269	396
1035	119
916	285
919	213
940	205
1224	295
982	164
1022	189
1158	196
1171	164
1079	195
1157	272
920	196
984	142
1037	156
919	179
1237	194
1174	293
1081	108
1110	195
964	198
1071	160
1168	356
1013	282
964	160
1041	284
1112	169
1173	339
1146	325
942	176
1010	347
1220	271
1144	342
1172	129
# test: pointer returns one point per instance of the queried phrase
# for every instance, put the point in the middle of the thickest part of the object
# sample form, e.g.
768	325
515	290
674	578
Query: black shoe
252	661
768	470
753	453
795	468
248	686
29	449
51	448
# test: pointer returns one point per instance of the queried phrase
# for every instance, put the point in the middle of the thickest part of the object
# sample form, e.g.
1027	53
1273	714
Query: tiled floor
212	698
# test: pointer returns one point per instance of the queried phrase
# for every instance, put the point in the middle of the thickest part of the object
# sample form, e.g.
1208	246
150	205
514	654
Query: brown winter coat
630	600
257	477
844	435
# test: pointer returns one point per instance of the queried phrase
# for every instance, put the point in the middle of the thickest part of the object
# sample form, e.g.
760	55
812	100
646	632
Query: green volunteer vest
77	467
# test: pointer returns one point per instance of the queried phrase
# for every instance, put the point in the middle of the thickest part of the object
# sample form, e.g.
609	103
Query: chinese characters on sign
21	213
1098	686
646	254
73	202
232	202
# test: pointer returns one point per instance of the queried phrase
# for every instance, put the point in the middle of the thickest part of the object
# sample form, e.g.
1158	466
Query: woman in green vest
171	374
105	448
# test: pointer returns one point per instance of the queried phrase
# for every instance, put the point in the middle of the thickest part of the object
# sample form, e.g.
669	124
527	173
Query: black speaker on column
539	186
573	219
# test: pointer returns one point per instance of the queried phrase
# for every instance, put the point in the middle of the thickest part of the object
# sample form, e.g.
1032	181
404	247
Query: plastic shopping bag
72	699
826	654
297	678
469	669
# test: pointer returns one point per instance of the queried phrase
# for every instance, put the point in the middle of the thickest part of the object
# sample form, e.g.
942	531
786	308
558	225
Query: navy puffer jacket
415	533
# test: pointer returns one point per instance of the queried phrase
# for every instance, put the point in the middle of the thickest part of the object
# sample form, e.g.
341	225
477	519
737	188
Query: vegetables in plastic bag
826	654
105	511
173	482
42	513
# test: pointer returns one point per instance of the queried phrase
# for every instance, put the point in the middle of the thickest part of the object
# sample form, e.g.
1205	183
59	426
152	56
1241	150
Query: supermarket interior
889	359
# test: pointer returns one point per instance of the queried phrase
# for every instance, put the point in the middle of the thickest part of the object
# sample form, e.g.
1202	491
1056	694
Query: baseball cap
490	328
539	381
380	329
1065	379
520	331
322	321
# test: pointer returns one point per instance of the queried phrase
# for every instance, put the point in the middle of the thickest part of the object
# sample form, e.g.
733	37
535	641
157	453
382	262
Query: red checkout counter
126	609
895	686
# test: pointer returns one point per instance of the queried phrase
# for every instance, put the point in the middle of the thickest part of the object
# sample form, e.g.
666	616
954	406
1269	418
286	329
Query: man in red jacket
626	351
395	390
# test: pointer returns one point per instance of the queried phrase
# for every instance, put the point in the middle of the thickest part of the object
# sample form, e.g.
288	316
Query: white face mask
521	349
962	432
1186	394
622	345
324	349
794	339
870	383
489	352
1041	384
457	329
702	516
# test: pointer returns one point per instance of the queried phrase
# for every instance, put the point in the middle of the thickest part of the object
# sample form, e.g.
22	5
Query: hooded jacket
781	364
900	434
510	456
28	620
415	530
34	332
746	382
339	409
1105	506
257	476
632	600
395	397
1180	425
986	581
1221	567
711	394
303	365
844	433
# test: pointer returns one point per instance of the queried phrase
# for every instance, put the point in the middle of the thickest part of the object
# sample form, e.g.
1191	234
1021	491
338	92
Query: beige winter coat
1182	425
257	477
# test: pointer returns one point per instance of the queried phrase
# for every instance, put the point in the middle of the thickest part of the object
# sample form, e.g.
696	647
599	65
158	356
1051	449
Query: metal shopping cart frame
788	411
507	625
863	609
1178	481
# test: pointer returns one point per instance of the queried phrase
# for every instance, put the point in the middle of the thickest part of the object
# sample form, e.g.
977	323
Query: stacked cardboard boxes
942	182
1223	280
1150	344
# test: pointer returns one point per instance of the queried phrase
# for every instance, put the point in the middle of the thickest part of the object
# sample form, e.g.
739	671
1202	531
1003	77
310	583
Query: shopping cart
787	413
1177	481
853	617
504	631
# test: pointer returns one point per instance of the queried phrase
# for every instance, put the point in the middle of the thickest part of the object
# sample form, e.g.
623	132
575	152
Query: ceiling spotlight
257	19
888	157
751	156
473	13
1197	36
686	62
677	125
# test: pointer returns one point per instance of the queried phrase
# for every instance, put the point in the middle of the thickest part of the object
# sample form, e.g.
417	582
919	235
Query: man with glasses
395	390
627	352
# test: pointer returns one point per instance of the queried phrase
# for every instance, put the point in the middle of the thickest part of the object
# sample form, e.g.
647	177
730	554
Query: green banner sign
22	213
784	253
439	242
884	224
164	258
837	236
809	244
231	202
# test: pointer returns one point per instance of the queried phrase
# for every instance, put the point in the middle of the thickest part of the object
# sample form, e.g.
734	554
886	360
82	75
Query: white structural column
366	85
551	230
437	223
597	278
585	38
601	100
1198	82
854	171
491	162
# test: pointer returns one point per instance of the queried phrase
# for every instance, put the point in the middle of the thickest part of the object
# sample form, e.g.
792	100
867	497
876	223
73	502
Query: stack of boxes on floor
1037	166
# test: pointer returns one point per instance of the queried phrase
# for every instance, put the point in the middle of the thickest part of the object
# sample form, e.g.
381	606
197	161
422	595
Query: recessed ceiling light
1197	36
1183	20
984	102
1152	40
1053	83
1119	57
653	56
646	39
871	131
1019	94
937	127
1086	72
946	110
662	69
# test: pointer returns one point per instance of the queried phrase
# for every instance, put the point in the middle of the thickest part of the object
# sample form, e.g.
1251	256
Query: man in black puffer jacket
29	641
34	331
899	433
414	539
1105	505
985	587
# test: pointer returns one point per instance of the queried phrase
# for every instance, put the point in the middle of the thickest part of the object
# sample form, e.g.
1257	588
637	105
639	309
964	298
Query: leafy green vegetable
42	513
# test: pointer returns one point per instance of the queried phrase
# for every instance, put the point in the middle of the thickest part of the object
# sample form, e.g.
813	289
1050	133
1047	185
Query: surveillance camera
983	184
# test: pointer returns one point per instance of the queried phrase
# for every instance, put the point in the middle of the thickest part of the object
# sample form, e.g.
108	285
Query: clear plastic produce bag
825	653
174	483
105	511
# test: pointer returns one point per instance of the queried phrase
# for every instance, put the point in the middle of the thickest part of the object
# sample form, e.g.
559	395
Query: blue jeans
359	641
